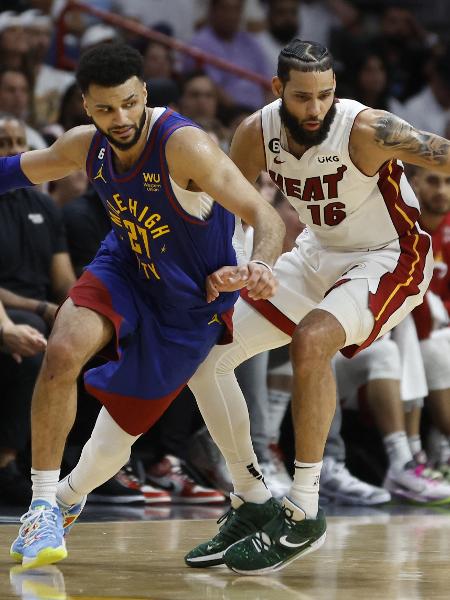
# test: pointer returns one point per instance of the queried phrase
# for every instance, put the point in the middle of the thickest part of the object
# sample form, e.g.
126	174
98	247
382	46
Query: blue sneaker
70	514
41	536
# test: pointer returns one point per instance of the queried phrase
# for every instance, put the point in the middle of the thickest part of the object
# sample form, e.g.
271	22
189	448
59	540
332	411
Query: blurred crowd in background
388	55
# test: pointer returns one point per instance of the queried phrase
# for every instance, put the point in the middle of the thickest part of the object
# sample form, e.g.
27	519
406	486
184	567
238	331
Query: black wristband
41	309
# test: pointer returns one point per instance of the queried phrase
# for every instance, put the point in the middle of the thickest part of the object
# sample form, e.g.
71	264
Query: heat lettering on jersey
314	187
321	187
141	225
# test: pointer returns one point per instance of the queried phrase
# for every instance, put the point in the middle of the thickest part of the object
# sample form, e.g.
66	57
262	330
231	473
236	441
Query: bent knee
313	342
62	358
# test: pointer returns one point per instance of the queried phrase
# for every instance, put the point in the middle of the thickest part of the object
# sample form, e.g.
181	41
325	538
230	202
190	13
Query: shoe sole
157	500
398	494
312	548
47	556
16	556
206	561
202	562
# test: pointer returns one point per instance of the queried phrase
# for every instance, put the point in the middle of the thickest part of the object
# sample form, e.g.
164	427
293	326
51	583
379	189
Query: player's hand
226	279
22	340
261	283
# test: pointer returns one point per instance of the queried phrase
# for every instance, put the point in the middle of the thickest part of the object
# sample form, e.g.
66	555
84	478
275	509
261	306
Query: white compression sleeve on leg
222	403
103	455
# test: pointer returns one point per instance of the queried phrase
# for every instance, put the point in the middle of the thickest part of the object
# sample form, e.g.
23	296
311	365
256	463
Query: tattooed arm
379	136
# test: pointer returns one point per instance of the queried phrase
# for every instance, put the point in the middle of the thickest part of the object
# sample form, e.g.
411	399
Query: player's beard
126	145
299	134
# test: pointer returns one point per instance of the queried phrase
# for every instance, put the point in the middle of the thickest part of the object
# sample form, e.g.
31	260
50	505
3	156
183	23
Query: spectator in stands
66	189
375	375
370	82
282	25
429	109
21	348
433	316
158	61
35	274
198	99
15	100
97	34
233	117
72	112
163	92
318	19
404	45
50	82
222	37
177	16
14	48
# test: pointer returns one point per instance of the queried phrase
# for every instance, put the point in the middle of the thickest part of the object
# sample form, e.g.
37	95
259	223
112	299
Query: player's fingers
241	274
265	290
211	291
258	279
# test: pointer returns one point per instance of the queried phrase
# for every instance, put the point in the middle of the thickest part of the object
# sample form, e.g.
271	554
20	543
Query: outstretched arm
66	155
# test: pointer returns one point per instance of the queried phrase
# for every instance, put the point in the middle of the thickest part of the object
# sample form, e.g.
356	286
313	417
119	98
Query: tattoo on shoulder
393	132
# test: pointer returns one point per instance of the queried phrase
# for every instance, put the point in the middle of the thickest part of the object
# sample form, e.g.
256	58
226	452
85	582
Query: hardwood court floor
378	556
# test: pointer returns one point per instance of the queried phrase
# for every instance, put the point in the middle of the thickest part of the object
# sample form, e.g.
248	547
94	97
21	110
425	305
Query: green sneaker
288	536
243	519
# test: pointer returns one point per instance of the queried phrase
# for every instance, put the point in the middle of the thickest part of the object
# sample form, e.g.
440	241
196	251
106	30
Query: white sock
415	443
305	489
103	455
66	493
44	485
397	449
248	481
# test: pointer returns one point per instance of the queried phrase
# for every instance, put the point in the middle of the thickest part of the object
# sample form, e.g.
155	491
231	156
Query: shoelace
263	540
42	519
234	526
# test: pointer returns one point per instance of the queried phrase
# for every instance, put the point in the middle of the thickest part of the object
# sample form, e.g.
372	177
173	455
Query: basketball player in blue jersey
170	193
361	265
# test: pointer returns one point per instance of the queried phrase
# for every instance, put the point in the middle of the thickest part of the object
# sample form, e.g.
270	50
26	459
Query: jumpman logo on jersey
215	319
100	175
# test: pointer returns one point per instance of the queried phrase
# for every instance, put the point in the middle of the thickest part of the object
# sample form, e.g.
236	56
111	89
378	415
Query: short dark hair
108	65
302	55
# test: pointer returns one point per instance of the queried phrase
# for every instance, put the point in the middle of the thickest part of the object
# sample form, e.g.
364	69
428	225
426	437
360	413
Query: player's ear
85	106
277	87
144	85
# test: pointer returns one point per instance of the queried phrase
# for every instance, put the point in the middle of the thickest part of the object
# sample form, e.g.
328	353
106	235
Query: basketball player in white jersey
361	265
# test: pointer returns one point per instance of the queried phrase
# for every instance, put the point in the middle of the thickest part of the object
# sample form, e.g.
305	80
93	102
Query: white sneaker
418	483
337	484
276	477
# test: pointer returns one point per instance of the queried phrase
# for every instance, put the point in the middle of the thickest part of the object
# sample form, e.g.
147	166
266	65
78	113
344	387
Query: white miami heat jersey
339	204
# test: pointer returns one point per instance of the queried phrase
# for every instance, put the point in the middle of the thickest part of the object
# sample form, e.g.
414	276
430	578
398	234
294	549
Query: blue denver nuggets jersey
167	252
